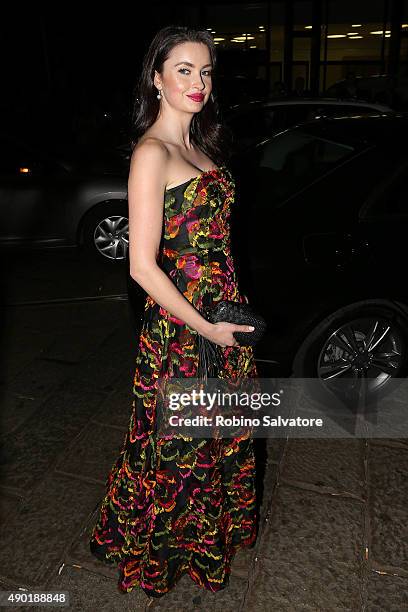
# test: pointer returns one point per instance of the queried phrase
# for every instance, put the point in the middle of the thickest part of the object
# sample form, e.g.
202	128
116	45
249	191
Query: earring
158	95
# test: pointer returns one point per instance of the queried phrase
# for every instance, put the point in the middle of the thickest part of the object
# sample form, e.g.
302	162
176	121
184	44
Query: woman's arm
146	186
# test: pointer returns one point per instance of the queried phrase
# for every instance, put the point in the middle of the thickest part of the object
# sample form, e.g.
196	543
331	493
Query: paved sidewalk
333	528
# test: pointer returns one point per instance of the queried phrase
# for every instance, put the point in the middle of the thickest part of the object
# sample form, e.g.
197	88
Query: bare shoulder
151	142
149	160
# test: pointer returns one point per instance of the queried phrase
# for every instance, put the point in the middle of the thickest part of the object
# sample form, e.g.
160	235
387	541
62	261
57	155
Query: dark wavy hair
207	131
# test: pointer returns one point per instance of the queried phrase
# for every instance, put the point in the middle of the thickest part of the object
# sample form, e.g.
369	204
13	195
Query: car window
390	199
11	158
274	118
245	124
353	110
294	159
252	126
17	160
334	110
296	113
308	112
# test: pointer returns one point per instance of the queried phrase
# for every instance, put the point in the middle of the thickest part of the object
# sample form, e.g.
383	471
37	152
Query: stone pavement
333	522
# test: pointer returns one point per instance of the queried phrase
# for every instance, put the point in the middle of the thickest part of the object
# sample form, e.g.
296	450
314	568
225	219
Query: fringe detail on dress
210	358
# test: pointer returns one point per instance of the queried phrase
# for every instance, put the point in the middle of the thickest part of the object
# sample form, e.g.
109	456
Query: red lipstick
197	97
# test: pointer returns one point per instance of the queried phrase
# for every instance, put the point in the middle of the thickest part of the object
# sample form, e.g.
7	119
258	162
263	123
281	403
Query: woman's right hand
222	333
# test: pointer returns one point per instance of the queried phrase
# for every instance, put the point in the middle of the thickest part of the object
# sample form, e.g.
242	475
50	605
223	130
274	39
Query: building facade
306	46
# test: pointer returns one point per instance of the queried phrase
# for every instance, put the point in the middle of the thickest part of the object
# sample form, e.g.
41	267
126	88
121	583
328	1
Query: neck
175	127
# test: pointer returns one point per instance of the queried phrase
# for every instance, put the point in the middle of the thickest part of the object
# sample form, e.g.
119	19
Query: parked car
320	230
253	122
48	200
391	90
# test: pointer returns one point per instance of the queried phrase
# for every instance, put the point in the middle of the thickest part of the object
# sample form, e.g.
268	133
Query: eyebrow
190	64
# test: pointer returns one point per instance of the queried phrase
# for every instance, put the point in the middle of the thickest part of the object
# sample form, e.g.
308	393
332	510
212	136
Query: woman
176	506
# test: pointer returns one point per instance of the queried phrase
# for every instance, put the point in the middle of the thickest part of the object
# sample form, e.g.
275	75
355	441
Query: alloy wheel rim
366	347
111	237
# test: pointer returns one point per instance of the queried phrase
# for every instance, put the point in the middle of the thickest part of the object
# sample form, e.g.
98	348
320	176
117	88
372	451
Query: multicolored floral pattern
174	505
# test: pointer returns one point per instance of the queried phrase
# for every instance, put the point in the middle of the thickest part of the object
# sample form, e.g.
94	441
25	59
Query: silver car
47	201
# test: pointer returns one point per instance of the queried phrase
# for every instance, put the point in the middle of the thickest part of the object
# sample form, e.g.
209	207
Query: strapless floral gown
176	506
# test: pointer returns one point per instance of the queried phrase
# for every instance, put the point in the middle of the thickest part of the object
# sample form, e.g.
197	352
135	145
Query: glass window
256	124
297	113
301	66
302	15
237	26
345	109
244	125
17	160
12	158
392	200
355	45
274	119
355	30
308	112
293	160
336	110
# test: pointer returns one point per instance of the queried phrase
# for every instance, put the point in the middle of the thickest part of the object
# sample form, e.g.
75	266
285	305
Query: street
332	530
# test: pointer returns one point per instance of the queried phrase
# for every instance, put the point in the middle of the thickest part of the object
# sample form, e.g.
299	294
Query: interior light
24	170
354	37
336	36
217	39
356	25
308	27
381	32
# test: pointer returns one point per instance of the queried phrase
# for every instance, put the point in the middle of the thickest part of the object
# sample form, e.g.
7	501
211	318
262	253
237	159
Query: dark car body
252	122
320	229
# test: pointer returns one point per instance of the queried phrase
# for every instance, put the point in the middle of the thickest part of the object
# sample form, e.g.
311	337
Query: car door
296	223
383	220
270	227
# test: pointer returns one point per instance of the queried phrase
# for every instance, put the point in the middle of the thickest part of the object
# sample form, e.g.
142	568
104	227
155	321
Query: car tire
309	361
95	226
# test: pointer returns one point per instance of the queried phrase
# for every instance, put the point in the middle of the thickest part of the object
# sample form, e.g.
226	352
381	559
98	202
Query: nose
198	82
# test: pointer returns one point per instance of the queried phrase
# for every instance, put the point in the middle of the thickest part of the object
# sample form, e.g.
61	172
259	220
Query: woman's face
186	72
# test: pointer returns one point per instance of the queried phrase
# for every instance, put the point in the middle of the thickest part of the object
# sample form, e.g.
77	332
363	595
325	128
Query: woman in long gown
178	505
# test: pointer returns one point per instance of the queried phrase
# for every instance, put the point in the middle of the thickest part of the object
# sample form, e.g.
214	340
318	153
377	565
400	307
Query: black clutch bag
242	314
210	354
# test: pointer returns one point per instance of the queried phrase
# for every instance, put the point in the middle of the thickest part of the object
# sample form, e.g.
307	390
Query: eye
207	71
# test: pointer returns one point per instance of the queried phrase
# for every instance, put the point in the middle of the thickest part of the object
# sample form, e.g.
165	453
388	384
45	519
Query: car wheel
364	340
105	232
